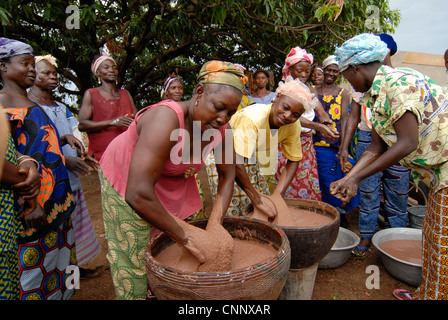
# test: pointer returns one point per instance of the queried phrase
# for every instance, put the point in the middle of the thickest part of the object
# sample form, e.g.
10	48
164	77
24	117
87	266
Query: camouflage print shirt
395	91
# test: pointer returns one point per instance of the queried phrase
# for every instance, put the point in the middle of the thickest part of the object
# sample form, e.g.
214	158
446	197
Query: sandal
402	294
360	252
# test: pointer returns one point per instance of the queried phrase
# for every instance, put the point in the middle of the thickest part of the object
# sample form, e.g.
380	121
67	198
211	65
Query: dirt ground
345	283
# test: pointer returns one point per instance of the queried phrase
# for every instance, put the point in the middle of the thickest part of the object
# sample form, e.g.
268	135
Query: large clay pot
262	281
309	245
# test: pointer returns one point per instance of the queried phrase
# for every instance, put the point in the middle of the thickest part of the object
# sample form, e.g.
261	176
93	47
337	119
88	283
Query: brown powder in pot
246	253
306	218
288	216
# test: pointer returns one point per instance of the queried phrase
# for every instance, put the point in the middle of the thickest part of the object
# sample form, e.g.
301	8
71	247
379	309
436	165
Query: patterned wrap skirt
127	236
87	245
434	284
44	265
305	184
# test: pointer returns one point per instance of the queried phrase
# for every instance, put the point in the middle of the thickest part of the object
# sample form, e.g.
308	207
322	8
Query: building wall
432	65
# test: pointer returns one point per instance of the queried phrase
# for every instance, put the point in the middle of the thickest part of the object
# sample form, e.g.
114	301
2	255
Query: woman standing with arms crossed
106	111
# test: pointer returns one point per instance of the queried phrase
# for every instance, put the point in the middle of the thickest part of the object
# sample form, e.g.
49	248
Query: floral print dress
400	90
329	168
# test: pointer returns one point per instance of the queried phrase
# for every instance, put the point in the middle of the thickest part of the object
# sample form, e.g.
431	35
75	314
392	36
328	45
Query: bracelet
115	121
24	158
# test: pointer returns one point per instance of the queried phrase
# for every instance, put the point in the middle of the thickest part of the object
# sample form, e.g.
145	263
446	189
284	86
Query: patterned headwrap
329	61
48	57
296	89
361	49
296	55
11	47
167	84
104	56
221	72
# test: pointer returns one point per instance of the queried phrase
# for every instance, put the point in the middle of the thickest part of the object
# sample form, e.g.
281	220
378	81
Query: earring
196	104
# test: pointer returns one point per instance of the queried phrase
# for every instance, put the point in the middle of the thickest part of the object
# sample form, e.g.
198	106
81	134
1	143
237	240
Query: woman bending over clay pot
147	178
257	131
409	125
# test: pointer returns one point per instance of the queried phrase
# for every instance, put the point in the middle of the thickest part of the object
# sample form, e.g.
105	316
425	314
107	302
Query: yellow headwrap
48	57
221	72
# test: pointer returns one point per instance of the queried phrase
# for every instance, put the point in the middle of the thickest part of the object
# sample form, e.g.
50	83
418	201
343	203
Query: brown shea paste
246	253
306	218
406	250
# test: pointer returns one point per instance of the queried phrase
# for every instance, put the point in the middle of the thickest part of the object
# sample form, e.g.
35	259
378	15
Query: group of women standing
147	166
37	252
46	228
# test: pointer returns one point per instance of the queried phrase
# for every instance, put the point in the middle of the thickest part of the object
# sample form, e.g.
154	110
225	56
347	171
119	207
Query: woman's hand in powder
193	247
266	206
193	239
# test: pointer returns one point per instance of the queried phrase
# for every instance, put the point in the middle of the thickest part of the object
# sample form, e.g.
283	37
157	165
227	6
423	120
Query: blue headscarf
11	47
361	49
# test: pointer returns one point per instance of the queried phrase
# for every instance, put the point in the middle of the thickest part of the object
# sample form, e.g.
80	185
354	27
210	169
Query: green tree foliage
151	39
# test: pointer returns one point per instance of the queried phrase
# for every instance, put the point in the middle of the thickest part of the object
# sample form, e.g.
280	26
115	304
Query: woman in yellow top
257	130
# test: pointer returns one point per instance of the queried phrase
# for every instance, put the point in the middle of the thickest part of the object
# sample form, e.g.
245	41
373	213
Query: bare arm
151	151
377	157
291	170
350	129
226	177
132	102
324	124
345	103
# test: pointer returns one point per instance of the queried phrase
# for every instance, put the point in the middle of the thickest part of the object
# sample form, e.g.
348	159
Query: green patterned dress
10	227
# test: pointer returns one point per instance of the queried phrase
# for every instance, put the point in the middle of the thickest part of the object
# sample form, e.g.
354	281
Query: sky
423	26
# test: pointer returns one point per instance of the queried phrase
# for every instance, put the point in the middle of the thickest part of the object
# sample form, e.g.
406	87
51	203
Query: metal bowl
341	250
416	216
408	272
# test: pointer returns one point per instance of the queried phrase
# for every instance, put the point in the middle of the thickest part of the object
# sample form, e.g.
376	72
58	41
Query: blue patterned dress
46	253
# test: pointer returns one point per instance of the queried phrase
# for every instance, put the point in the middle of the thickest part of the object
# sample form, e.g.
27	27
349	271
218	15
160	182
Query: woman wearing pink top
148	173
106	111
